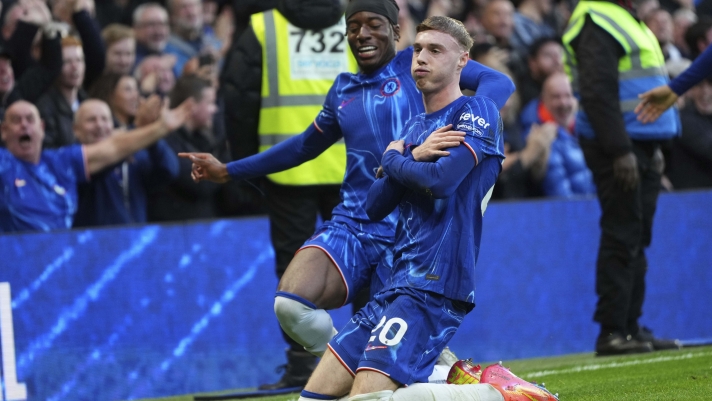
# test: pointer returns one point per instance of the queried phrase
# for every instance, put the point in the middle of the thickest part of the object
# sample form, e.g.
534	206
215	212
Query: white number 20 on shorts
385	327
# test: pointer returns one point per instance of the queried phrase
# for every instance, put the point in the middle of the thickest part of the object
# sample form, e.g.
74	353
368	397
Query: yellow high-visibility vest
641	68
298	69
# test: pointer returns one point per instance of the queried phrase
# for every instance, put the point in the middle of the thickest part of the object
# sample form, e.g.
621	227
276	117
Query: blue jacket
102	200
566	174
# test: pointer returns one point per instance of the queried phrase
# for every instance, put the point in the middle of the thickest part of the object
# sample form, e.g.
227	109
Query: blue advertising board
158	310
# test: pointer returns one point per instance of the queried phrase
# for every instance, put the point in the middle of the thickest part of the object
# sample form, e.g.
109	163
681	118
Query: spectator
691	153
182	199
530	24
23	21
545	58
150	24
118	193
78	13
12	17
120	49
155	75
40	186
566	172
699	36
498	22
660	23
681	20
189	37
644	7
38	78
525	162
58	105
120	92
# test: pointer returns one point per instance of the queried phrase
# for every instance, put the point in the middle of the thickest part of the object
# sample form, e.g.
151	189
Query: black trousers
293	212
626	230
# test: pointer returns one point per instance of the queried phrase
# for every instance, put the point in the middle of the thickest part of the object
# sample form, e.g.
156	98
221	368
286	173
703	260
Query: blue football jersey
438	239
40	197
369	111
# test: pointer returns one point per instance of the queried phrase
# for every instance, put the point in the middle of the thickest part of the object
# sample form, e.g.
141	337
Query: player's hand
625	171
379	172
436	143
654	102
398	145
206	168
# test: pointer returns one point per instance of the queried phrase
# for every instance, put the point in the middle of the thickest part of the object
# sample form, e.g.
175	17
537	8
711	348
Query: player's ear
396	32
464	58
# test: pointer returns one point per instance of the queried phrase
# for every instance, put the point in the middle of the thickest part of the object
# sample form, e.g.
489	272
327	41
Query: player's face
372	40
437	59
23	131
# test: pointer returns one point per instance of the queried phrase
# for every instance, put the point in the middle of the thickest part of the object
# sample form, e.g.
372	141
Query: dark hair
104	86
538	44
188	86
450	26
695	32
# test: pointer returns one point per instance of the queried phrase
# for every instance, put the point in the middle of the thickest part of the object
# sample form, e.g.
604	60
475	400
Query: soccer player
367	110
395	339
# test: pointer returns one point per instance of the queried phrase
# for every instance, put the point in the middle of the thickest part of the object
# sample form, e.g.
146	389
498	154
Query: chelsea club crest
390	87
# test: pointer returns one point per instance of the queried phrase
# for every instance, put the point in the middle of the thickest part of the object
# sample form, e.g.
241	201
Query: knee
291	309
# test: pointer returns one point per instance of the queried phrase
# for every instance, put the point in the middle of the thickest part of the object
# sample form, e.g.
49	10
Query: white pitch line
688	355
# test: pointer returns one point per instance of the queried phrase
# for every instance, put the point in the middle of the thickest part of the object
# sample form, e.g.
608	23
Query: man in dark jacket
118	194
625	159
182	199
31	79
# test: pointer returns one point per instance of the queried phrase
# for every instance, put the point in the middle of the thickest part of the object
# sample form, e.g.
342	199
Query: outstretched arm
285	155
654	102
487	82
117	147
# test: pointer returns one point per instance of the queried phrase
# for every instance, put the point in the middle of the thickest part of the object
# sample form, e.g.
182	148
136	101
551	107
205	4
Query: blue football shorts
400	334
355	253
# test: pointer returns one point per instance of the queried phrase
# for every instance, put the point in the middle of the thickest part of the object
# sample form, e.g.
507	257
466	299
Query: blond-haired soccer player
395	339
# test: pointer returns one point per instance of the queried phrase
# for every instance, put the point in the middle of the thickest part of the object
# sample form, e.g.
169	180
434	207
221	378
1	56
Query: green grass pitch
684	375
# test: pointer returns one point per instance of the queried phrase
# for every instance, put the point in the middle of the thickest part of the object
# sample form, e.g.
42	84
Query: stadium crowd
122	52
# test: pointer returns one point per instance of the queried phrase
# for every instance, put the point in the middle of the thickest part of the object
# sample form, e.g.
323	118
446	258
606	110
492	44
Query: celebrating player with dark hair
367	111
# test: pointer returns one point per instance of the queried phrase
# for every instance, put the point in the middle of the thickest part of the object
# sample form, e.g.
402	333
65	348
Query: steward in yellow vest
299	67
611	58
